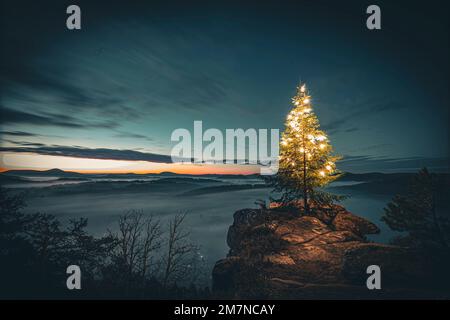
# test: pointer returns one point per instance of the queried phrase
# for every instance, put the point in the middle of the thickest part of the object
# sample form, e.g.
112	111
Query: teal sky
136	72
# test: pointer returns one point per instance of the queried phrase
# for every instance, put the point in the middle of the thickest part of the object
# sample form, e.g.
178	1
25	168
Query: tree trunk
305	189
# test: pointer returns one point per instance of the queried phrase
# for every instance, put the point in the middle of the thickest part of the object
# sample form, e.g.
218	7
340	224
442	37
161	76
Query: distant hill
387	183
45	173
167	173
5	179
374	176
347	176
62	173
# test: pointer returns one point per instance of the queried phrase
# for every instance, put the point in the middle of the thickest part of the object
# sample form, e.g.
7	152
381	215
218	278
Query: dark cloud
10	116
365	163
54	85
25	83
25	143
373	147
87	153
133	136
99	153
19	134
360	109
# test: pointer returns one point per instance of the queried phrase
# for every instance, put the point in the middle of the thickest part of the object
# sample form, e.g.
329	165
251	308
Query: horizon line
144	172
139	172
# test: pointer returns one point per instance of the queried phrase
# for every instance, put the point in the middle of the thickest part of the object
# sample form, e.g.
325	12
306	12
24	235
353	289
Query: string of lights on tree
306	161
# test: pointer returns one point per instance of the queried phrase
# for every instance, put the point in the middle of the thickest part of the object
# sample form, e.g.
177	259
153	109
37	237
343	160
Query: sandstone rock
325	256
224	275
280	259
345	220
337	217
300	230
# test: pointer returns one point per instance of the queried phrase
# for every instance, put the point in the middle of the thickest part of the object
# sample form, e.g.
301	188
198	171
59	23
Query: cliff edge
276	253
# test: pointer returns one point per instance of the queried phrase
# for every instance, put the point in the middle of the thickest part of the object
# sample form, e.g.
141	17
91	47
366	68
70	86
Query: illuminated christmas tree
306	162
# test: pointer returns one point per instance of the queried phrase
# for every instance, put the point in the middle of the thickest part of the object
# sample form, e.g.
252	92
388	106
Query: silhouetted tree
90	253
151	243
137	243
12	222
416	213
16	253
36	249
180	257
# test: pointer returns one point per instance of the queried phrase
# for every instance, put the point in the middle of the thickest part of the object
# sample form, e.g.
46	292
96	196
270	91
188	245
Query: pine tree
416	213
306	162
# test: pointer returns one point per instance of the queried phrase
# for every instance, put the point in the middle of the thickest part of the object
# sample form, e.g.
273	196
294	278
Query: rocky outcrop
276	253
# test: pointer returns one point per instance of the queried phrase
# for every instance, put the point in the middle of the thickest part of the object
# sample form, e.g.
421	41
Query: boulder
346	221
286	255
224	273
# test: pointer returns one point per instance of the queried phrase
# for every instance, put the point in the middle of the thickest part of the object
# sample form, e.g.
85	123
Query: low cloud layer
88	153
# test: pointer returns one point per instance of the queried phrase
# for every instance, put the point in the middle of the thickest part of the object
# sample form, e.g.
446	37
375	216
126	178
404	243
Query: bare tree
180	255
141	254
151	243
139	239
130	229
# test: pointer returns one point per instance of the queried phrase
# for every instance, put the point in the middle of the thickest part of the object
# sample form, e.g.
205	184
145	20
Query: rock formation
276	253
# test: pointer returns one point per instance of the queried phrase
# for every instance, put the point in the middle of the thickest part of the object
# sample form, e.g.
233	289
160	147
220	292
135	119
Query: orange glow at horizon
198	170
17	161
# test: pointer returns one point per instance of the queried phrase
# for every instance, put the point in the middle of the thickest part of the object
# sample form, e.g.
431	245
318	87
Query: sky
106	98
